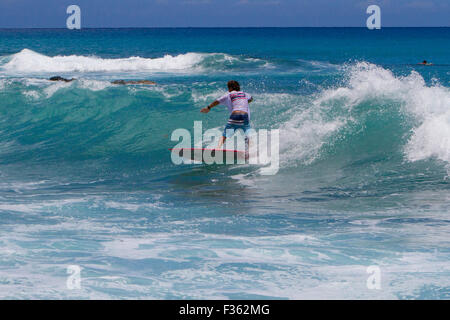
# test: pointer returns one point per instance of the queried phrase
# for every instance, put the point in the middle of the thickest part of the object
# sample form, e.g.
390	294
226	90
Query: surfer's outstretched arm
208	108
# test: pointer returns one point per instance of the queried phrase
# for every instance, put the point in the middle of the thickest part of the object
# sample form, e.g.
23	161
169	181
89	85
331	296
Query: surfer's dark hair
234	85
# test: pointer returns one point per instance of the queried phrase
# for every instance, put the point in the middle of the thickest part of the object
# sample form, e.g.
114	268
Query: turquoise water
86	177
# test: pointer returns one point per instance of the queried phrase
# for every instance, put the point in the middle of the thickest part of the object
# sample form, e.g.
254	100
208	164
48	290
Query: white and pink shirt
236	101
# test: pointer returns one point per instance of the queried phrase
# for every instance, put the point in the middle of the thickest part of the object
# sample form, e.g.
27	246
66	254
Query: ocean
87	182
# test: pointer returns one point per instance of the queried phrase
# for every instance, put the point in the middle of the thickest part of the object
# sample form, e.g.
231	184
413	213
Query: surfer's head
233	86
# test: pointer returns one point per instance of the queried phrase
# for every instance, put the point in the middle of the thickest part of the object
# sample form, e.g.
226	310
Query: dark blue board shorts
237	121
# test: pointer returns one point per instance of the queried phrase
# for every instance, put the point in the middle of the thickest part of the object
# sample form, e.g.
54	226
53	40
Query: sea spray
86	176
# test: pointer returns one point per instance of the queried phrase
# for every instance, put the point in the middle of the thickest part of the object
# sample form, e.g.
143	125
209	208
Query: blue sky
223	13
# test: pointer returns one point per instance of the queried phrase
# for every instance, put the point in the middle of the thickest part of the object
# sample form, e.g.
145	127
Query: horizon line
250	27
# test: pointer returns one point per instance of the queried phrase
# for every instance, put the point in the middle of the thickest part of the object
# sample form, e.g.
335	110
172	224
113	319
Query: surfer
122	82
237	102
425	63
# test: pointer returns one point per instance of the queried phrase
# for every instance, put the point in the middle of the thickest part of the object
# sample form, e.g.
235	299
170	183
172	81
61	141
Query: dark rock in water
58	78
123	82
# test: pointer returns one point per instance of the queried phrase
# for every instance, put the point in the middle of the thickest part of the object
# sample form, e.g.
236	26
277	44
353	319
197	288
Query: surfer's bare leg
247	148
221	142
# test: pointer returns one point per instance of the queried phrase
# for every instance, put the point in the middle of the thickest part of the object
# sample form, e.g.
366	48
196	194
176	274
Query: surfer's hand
205	110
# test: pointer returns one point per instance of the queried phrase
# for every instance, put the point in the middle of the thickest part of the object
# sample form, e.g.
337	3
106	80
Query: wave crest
28	61
372	97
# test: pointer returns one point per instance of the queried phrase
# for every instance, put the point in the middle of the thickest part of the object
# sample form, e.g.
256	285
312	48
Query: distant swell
371	113
28	61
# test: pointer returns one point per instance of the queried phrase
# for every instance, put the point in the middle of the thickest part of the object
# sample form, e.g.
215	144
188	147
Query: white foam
93	85
19	207
54	87
28	61
431	137
32	94
168	91
306	130
427	105
310	127
21	186
304	135
130	206
200	97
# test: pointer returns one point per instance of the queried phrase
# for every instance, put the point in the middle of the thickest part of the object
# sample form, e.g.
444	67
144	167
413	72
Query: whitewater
86	177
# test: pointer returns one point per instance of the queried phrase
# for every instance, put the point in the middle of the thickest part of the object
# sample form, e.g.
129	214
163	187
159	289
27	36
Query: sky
223	13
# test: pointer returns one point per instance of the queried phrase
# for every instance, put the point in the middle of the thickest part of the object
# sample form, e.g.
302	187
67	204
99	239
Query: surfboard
210	156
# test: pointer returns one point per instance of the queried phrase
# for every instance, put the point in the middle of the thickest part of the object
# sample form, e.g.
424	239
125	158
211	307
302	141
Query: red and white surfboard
218	156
